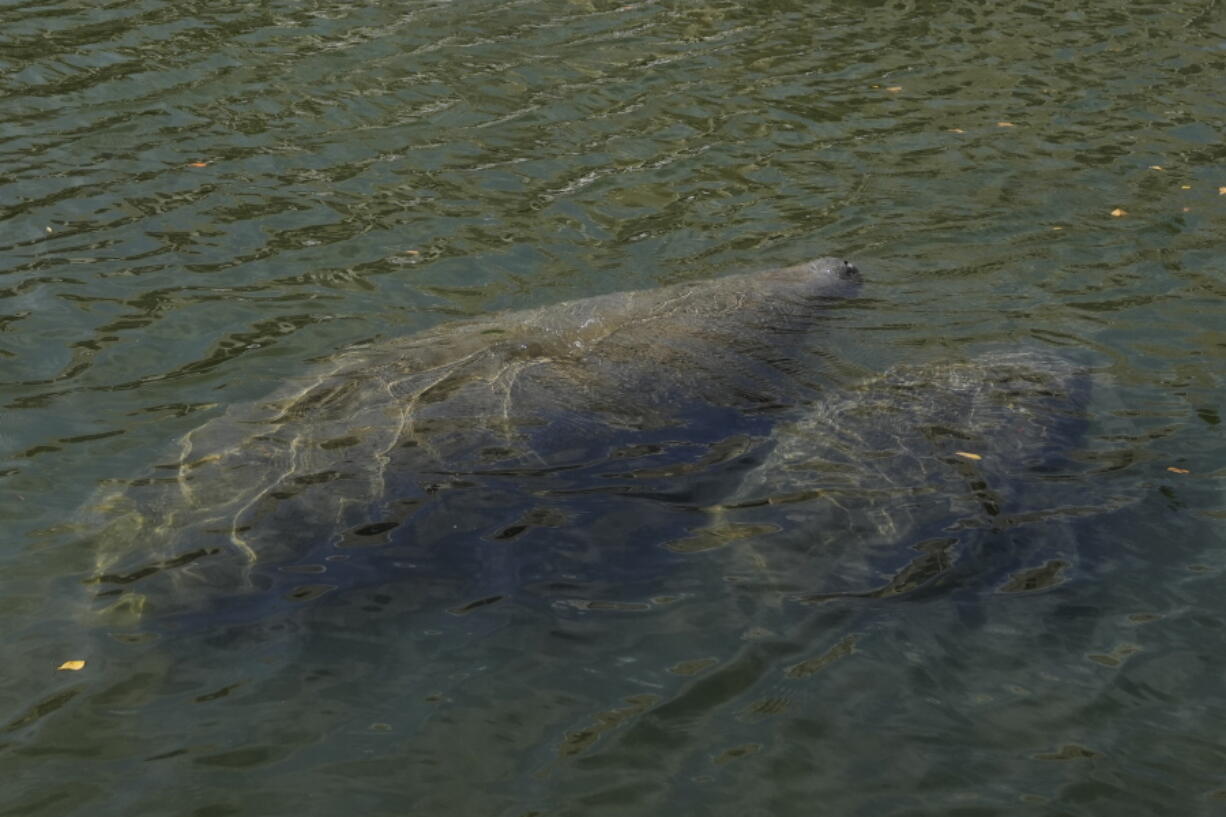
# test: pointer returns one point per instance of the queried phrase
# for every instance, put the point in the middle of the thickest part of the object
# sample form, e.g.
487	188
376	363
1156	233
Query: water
198	201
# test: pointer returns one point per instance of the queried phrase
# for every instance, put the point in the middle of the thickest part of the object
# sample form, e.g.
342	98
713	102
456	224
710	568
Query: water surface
198	201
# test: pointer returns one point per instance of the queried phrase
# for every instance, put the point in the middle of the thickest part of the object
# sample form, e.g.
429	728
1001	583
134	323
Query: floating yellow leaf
1156	167
197	164
956	130
72	665
967	455
894	89
1175	470
1005	125
1221	191
412	252
1187	209
1119	212
1057	228
1185	187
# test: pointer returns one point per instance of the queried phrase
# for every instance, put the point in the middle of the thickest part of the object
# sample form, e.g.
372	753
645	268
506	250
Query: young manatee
903	480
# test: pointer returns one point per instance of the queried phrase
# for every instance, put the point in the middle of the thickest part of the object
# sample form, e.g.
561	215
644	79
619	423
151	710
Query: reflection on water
202	204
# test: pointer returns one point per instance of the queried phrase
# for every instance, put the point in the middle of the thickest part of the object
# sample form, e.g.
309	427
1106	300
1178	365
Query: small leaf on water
894	89
967	455
956	130
1156	167
1119	212
1175	470
72	665
1005	125
1221	191
197	164
1185	187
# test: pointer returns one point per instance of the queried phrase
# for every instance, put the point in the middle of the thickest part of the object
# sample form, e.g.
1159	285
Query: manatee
411	456
916	478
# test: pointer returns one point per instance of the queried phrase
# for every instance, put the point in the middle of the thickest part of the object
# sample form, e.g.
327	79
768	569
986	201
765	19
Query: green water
197	200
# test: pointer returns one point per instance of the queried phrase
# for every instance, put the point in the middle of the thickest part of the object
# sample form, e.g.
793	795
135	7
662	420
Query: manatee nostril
850	270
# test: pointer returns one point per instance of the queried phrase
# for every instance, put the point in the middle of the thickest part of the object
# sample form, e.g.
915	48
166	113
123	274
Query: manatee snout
834	277
839	269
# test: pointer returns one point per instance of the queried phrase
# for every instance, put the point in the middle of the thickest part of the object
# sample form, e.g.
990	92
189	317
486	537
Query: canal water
202	204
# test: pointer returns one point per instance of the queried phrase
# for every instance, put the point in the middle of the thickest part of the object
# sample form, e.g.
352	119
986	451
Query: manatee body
918	476
400	456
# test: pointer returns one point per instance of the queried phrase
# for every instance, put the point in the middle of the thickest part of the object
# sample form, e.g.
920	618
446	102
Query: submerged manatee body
426	455
917	478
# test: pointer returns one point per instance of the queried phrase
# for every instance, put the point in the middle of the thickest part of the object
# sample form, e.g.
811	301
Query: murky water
201	202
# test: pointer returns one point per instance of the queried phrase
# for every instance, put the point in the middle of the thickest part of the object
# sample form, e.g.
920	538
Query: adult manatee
916	478
442	446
